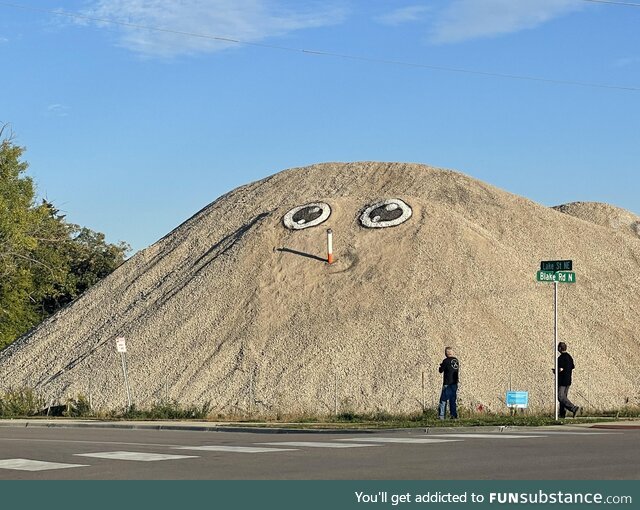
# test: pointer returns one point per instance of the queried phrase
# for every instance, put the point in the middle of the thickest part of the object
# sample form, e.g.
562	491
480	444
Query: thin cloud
243	20
57	110
409	14
470	19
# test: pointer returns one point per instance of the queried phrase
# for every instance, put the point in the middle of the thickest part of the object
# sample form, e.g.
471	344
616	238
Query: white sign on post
121	345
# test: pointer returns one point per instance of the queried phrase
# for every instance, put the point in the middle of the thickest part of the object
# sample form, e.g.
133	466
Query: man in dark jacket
449	369
565	367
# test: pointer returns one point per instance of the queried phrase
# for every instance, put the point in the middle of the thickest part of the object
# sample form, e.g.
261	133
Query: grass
26	403
428	419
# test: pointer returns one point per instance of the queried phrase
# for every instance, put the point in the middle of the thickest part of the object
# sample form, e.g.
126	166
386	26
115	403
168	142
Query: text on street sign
558	276
556	265
121	344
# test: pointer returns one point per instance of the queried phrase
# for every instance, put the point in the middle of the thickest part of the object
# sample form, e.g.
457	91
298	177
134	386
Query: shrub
78	407
166	410
20	402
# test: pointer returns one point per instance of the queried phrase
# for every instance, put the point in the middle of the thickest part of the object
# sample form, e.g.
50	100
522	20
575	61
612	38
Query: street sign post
121	347
556	271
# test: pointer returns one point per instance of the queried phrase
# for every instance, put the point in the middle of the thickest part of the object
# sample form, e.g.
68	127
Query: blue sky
130	131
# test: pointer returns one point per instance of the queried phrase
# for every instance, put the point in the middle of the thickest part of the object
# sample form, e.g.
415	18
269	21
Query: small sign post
121	347
556	271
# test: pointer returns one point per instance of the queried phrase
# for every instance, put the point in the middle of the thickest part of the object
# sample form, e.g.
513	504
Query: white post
329	246
166	388
90	398
251	396
126	378
335	393
555	344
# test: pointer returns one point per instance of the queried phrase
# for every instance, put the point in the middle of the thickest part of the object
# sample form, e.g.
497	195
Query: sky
136	114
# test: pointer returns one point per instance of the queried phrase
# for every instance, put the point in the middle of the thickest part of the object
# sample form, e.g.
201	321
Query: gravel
235	309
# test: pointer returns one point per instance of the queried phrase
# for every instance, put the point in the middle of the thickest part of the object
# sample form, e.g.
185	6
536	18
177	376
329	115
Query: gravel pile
605	215
234	308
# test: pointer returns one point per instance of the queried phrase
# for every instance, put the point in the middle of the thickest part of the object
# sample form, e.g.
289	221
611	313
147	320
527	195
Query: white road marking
138	456
409	440
237	449
30	440
313	444
576	433
485	436
34	465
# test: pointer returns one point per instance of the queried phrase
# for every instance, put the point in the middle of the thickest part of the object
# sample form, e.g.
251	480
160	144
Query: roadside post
556	271
121	347
329	246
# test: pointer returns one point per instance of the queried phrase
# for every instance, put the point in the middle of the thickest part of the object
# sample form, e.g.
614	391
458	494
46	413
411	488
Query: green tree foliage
45	262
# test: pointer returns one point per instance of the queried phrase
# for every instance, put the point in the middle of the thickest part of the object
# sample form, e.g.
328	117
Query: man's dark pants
565	403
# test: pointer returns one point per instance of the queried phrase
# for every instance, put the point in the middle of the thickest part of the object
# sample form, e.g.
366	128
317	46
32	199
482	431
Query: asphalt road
115	454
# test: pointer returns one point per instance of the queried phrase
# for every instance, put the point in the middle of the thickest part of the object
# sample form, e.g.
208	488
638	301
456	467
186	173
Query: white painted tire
370	219
295	218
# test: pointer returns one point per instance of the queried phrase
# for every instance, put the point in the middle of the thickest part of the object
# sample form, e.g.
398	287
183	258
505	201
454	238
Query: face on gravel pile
382	214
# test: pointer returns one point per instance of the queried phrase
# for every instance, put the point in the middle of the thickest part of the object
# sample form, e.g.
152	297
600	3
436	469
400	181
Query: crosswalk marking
238	449
410	440
286	446
314	444
471	435
34	465
138	456
574	433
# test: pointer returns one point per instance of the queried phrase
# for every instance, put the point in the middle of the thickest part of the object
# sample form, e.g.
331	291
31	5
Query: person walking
565	368
449	368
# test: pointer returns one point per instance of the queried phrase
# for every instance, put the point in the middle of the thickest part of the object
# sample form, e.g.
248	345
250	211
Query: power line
327	53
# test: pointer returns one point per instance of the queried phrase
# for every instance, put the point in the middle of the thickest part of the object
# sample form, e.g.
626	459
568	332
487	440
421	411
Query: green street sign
559	276
565	277
544	276
556	265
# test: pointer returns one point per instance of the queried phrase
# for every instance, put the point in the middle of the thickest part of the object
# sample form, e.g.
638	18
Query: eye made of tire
387	213
308	215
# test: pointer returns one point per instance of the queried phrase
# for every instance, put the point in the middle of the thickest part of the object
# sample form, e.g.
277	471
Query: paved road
539	454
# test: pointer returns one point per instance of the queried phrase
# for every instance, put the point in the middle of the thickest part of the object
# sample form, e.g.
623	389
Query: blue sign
518	399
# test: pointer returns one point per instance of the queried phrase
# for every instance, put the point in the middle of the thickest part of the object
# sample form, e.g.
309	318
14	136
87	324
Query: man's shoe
576	411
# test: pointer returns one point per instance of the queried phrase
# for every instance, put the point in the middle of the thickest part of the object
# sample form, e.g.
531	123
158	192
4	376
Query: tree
45	262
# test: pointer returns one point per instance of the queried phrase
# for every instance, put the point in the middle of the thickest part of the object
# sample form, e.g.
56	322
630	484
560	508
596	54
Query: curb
613	426
238	428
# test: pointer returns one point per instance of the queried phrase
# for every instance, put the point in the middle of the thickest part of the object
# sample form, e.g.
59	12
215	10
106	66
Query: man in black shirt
449	369
565	367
